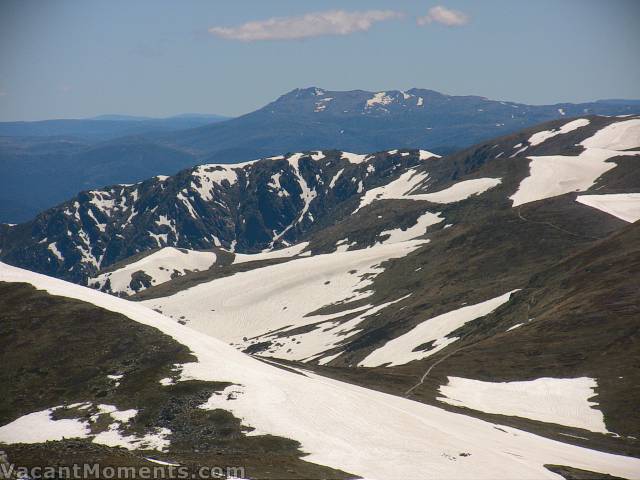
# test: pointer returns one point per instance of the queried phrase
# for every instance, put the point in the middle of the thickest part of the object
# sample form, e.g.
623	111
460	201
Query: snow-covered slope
555	175
366	433
408	183
154	269
564	401
432	334
272	303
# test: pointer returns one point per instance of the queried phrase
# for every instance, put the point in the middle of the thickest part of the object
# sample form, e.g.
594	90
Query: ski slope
364	432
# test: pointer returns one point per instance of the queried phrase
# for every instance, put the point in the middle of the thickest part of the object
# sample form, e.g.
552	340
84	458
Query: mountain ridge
353	121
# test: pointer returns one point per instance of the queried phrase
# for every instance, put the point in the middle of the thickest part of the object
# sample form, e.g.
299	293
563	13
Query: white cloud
334	22
445	16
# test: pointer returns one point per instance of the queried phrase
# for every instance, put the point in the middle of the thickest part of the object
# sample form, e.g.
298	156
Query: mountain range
397	313
39	160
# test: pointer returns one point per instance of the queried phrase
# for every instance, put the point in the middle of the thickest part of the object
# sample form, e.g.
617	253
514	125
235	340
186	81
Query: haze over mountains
39	160
105	127
480	306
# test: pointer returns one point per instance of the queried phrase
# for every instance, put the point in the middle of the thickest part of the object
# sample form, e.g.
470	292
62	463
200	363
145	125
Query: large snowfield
364	432
258	302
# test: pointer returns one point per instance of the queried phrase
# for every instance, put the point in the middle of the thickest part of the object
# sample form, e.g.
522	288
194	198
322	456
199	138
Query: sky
80	58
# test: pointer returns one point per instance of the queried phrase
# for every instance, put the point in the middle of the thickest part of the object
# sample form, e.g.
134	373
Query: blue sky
79	58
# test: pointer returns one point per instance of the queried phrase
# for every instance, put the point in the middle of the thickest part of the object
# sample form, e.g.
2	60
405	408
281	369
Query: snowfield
161	266
364	432
206	176
564	401
407	183
623	135
426	155
400	350
354	157
625	206
291	251
423	222
256	303
38	427
459	191
555	175
540	137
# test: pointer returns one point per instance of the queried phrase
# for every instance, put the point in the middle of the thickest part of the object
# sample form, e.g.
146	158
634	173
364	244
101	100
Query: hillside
192	390
473	278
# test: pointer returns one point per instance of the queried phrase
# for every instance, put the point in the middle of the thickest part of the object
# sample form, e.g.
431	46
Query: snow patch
403	186
460	191
335	178
271	254
113	437
307	195
161	266
434	331
38	427
53	248
321	105
354	157
426	155
555	175
625	206
417	230
617	136
206	176
260	301
564	401
380	98
540	137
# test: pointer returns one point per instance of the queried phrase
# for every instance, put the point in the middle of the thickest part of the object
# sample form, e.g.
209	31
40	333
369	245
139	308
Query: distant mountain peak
304	93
